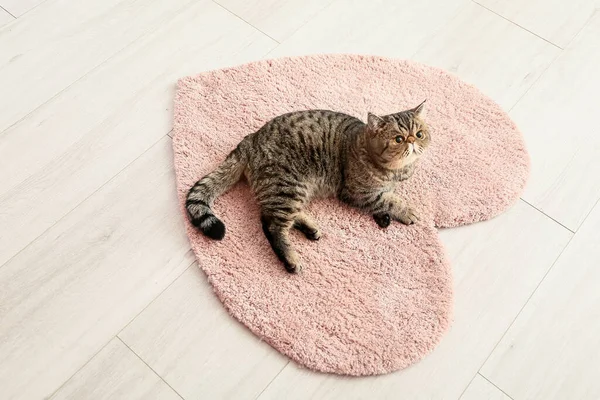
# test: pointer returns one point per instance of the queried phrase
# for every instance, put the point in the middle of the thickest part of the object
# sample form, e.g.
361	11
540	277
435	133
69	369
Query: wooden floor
100	297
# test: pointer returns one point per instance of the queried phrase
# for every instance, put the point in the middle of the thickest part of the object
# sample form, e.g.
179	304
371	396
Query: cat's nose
410	139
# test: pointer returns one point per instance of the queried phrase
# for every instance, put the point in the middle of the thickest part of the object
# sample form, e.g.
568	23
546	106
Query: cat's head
397	140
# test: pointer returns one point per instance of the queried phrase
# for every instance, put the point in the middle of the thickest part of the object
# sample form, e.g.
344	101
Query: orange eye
399	139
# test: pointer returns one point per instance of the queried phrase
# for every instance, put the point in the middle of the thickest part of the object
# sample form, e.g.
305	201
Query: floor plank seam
524	305
246	22
589	212
514	23
82	201
29	10
117	337
327	4
151	369
94	68
535	81
587	22
80	368
467	386
548	216
439	29
494	385
272	380
8	12
158	295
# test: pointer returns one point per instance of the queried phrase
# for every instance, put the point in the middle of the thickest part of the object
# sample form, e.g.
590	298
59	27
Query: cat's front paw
383	220
292	263
292	268
408	216
313	235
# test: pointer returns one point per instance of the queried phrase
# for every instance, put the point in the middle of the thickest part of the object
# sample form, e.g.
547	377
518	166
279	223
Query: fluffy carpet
368	301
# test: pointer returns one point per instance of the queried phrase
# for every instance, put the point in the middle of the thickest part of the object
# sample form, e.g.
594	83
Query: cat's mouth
415	149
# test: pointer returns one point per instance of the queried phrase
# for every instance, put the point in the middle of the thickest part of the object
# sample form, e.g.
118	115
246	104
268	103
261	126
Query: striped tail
202	195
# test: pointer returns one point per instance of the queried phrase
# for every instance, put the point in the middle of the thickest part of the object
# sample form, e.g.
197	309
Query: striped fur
317	153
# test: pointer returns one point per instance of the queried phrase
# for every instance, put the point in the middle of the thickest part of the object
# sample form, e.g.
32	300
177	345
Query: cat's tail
202	195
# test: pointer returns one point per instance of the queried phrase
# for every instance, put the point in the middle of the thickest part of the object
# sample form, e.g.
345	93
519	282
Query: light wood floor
100	297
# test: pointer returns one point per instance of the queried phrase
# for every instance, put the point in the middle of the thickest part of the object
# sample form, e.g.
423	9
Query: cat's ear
374	122
419	110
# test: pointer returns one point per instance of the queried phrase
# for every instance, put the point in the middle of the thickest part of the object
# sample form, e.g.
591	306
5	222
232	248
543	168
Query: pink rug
368	301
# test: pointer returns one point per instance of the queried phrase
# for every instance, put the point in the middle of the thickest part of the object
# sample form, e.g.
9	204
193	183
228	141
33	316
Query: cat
298	156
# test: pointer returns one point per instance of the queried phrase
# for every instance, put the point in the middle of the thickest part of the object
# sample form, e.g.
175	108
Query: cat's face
397	140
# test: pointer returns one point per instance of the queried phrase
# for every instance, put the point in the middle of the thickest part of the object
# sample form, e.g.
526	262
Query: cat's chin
404	161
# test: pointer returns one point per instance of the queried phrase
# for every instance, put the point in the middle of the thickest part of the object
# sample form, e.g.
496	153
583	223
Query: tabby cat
306	154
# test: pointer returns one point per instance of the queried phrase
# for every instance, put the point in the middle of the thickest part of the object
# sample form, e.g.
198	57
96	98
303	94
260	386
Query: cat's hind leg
277	230
281	201
307	225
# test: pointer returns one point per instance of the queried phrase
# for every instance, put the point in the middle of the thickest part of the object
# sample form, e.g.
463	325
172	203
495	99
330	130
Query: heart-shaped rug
368	301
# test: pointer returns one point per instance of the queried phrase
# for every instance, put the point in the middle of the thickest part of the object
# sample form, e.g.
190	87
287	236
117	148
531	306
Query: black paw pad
313	235
383	220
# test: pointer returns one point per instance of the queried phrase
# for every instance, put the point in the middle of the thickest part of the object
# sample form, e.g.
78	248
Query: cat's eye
399	139
420	135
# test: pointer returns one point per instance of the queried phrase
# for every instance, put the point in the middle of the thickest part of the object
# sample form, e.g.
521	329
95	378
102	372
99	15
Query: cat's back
306	146
309	140
307	128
